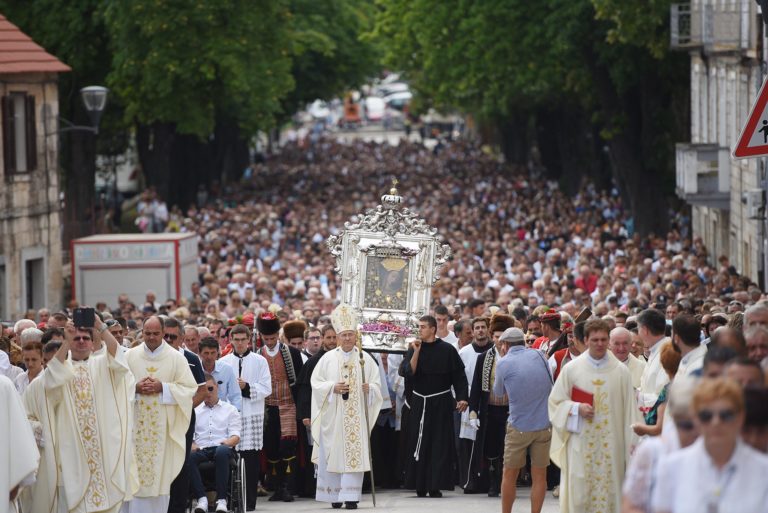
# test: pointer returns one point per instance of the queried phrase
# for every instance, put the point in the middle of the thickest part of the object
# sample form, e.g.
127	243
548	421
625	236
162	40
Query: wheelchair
236	502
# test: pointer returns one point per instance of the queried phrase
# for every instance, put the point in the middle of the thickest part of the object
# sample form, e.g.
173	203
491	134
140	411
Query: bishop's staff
367	421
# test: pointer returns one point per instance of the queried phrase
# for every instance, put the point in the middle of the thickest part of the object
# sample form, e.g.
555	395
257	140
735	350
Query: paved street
401	501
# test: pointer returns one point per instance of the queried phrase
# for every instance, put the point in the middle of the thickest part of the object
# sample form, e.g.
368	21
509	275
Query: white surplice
92	401
340	436
469	356
19	456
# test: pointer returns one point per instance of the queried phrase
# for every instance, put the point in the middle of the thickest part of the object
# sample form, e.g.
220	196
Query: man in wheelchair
217	432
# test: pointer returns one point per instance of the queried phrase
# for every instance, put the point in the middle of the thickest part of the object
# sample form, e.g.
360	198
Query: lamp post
94	101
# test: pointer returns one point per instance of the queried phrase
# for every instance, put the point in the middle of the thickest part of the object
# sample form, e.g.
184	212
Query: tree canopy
594	73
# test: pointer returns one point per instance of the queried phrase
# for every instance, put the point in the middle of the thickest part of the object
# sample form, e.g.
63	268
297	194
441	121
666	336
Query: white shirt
654	377
692	361
22	381
215	424
689	482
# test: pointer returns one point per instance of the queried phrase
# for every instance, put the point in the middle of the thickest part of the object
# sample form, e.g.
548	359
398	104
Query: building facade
725	39
30	231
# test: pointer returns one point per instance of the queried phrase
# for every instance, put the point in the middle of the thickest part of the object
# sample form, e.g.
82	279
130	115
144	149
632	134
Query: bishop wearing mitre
346	398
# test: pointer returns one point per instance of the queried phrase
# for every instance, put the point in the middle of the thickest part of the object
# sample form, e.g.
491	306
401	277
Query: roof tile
20	54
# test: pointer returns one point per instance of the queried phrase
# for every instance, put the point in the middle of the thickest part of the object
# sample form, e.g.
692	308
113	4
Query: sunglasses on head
706	416
170	336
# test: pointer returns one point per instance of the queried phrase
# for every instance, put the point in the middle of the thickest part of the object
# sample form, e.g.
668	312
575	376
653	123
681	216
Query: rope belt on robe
421	422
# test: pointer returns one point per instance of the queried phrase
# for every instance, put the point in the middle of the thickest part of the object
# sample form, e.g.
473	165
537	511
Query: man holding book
592	407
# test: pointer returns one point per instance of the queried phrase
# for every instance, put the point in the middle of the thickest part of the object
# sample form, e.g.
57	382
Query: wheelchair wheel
237	486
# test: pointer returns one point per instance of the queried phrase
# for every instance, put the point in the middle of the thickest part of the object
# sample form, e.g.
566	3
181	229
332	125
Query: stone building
30	231
725	39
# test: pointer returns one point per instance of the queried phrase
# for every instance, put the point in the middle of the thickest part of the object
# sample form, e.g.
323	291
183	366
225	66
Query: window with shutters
19	133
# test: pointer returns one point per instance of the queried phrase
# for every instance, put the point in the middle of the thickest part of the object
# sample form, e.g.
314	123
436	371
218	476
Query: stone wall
29	205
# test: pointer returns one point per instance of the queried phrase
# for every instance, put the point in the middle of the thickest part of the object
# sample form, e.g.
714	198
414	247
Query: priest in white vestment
340	427
42	496
91	397
591	443
162	411
620	344
19	456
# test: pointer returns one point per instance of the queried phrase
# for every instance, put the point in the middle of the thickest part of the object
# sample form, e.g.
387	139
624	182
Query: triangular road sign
753	139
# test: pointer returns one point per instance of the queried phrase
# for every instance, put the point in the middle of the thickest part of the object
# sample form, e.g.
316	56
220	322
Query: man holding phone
90	395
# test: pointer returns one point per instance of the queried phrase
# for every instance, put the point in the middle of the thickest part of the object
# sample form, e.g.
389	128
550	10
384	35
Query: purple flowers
385	327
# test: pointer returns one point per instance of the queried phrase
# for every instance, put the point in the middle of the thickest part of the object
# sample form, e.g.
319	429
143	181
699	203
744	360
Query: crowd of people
562	351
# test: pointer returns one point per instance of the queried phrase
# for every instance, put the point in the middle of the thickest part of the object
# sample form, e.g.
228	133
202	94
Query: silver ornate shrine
388	262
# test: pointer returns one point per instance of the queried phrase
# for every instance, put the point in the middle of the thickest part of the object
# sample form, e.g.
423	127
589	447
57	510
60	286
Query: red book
579	395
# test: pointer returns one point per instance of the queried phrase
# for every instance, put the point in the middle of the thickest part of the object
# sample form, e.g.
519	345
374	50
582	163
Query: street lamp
94	101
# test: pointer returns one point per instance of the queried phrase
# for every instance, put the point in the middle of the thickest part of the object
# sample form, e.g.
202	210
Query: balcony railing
703	175
718	26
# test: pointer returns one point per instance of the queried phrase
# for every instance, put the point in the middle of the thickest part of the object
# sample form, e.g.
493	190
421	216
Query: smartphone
83	317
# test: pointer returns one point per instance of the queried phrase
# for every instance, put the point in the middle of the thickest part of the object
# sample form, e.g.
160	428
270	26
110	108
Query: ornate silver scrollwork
388	259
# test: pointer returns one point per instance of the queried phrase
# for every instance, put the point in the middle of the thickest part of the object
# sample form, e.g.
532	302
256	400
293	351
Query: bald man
620	343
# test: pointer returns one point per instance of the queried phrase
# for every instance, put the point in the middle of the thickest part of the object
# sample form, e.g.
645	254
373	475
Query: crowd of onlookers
520	245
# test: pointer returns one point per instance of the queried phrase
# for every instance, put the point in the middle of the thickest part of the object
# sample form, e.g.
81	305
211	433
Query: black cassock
305	487
430	448
485	468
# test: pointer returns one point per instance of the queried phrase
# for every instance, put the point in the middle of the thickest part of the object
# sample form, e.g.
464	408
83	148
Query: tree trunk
154	144
79	206
642	185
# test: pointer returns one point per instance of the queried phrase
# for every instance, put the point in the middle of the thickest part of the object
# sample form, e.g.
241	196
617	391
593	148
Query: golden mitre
344	318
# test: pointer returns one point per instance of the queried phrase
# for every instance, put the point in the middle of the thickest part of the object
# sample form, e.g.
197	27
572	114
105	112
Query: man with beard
280	428
469	356
550	331
304	402
488	415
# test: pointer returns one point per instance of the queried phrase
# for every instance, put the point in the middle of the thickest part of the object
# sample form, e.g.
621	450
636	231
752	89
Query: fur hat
294	329
267	324
501	322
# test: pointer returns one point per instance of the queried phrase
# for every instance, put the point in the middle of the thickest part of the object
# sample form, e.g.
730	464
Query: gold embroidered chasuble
593	461
92	409
337	424
160	424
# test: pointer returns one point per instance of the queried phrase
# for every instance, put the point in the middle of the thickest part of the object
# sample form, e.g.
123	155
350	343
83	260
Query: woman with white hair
639	481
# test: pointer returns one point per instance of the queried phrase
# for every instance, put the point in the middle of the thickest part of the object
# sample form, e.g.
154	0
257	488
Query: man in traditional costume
346	398
576	346
281	425
620	344
469	355
91	399
165	388
488	413
550	330
255	384
592	408
431	367
18	452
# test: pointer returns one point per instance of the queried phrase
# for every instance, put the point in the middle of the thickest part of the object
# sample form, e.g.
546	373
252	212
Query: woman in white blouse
639	481
718	473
